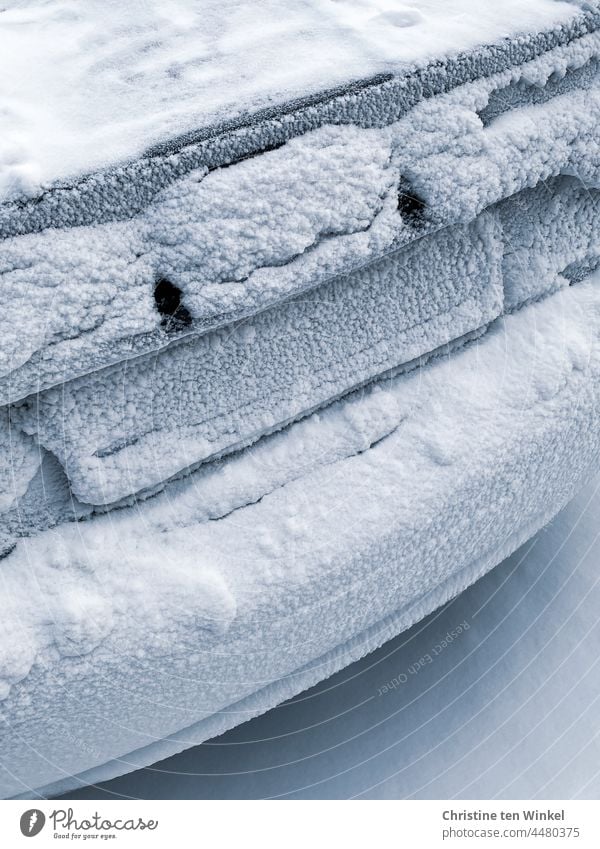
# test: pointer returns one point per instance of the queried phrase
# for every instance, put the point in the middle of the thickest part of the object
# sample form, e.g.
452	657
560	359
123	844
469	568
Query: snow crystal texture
143	79
326	332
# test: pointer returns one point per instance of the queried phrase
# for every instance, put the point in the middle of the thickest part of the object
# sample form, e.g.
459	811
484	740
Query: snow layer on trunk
124	624
84	289
80	298
148	72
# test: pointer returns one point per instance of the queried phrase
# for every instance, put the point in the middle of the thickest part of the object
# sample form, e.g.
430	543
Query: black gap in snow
167	298
411	206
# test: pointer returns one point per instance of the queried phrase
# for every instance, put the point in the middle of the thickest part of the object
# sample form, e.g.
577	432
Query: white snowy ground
85	85
508	708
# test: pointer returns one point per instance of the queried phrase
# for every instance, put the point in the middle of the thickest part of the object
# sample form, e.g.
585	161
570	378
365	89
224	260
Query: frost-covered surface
552	235
239	239
210	394
19	461
81	290
123	630
86	85
493	696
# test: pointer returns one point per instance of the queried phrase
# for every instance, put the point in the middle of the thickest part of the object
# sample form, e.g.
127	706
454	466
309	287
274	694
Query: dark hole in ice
411	206
168	302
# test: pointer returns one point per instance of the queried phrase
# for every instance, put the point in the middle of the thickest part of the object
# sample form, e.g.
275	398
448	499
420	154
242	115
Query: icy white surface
493	696
86	85
125	629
